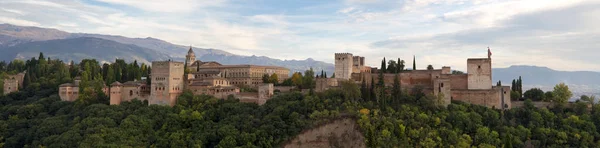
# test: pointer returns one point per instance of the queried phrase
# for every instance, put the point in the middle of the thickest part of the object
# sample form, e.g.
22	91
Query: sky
560	34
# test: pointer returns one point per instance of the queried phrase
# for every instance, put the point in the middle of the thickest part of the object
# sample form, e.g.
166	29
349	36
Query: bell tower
190	58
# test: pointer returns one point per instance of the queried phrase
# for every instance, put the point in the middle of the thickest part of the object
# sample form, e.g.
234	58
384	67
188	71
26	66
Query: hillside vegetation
35	117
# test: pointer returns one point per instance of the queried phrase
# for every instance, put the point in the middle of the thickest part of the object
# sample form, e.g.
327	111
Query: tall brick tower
343	65
167	82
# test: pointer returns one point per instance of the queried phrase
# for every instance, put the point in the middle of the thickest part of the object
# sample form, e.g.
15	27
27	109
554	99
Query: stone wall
537	104
490	97
339	133
459	81
323	84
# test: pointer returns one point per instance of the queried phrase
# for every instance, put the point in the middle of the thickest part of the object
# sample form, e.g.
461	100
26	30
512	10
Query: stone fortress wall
474	87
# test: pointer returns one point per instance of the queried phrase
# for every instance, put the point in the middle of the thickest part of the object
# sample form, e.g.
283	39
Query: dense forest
388	117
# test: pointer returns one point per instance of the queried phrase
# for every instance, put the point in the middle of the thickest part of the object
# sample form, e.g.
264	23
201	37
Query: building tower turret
343	65
190	58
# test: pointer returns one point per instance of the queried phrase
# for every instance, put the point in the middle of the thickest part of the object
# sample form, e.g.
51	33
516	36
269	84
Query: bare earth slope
338	133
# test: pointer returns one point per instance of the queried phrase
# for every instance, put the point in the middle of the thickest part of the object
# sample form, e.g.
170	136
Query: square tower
479	73
167	82
343	65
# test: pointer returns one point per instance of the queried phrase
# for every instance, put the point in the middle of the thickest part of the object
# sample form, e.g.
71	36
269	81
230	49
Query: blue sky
560	34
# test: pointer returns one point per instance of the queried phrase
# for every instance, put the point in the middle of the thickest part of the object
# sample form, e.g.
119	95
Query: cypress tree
325	75
322	74
383	67
520	85
396	90
372	90
399	68
513	86
363	89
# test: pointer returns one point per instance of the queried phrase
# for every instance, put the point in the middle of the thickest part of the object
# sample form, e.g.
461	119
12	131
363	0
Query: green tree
534	94
383	67
392	66
562	94
396	90
400	65
265	78
429	67
591	100
110	75
274	79
457	72
549	96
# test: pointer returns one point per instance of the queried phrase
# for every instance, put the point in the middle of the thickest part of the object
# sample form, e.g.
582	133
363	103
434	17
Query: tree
591	100
351	90
392	67
562	94
372	90
396	90
457	72
333	75
515	96
274	79
520	85
383	67
414	62
429	67
513	86
265	78
309	76
110	75
297	79
322	74
400	65
549	96
534	94
363	89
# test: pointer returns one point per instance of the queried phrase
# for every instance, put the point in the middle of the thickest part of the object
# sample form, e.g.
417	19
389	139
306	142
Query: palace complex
475	87
168	79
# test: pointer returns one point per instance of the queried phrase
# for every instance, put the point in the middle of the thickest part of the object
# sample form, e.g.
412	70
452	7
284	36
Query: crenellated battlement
343	54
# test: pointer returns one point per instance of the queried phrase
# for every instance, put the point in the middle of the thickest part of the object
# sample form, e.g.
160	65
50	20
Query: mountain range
24	42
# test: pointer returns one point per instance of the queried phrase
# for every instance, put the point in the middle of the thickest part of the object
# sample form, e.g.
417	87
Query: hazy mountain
534	75
77	49
580	82
22	42
293	65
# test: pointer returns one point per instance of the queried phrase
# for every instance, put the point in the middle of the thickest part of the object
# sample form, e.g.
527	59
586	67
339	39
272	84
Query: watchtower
479	72
115	93
343	65
167	82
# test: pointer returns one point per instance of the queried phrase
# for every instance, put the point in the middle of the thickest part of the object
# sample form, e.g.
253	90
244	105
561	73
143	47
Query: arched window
130	92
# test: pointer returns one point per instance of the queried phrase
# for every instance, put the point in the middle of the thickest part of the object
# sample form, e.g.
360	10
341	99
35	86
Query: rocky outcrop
343	133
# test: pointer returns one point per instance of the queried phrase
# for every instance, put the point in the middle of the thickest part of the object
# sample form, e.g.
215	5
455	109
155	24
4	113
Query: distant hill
579	82
534	75
77	49
22	42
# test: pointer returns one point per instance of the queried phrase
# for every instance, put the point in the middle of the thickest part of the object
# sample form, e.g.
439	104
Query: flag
489	52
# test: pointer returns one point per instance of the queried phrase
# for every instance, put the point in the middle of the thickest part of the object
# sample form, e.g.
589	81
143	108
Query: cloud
561	34
560	38
167	6
19	12
18	21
